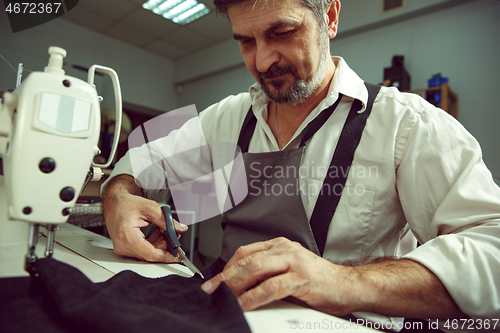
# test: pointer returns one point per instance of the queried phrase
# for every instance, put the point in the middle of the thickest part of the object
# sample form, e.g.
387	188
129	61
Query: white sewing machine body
54	138
49	131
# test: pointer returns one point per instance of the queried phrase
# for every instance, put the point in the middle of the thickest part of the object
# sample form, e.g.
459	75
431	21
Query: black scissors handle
169	234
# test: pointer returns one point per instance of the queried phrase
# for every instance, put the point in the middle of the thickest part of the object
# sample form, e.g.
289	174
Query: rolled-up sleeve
452	205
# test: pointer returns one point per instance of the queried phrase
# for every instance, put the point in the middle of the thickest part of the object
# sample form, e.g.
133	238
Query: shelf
449	100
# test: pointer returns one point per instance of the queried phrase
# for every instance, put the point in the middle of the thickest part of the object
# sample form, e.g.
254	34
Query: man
429	177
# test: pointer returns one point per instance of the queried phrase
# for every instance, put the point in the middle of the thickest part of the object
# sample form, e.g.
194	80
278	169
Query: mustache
274	71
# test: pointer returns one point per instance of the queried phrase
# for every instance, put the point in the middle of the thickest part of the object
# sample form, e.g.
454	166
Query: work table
93	255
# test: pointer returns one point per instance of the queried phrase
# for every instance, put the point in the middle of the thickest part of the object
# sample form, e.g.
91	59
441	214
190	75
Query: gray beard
300	89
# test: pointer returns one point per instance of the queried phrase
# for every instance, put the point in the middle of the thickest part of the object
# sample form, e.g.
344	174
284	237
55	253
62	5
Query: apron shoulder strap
247	130
350	137
318	122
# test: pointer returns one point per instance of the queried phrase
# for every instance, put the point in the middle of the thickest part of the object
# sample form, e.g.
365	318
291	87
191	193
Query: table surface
93	255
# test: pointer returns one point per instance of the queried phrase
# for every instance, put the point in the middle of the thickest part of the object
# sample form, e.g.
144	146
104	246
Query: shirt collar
345	81
348	83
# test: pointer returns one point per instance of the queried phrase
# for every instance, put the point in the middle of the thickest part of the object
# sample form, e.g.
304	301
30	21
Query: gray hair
318	7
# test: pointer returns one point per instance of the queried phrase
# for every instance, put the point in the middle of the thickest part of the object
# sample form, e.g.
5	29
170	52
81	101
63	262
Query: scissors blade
187	262
173	244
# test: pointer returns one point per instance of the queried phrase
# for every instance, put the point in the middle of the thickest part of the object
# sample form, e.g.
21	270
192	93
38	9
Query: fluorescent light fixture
179	11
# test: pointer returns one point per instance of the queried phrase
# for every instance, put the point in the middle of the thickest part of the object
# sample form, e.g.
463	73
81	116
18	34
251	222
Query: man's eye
246	41
283	33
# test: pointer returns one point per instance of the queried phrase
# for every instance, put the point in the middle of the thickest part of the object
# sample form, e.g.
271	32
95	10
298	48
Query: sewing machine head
50	126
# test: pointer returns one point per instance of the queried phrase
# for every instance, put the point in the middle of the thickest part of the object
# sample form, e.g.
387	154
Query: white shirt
415	166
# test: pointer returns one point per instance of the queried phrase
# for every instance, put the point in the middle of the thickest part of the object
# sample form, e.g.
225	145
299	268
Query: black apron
273	207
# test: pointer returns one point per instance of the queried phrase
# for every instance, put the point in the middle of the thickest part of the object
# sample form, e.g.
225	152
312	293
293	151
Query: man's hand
126	212
262	272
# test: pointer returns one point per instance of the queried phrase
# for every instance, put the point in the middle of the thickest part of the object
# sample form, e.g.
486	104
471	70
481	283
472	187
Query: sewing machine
49	133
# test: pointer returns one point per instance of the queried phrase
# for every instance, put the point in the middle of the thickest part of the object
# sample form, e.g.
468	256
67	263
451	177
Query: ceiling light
179	11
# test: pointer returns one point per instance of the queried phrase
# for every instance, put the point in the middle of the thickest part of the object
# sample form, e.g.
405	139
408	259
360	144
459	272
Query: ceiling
127	21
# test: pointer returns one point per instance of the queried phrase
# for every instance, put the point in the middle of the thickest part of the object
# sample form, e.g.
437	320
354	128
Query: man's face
283	47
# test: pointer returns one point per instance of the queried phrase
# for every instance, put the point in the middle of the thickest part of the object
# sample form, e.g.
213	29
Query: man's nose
265	56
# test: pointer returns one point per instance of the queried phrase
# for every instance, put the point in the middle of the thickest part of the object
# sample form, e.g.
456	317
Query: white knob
57	50
56	60
97	174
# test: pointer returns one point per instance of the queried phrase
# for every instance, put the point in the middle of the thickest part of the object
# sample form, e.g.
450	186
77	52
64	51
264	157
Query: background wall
145	78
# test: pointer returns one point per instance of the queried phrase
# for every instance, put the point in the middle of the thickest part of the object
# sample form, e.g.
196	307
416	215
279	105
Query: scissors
173	244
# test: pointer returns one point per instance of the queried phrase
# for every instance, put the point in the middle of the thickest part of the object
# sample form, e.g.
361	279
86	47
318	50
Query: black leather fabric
62	299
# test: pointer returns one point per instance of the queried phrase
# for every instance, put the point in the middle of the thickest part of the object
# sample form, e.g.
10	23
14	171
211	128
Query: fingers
156	217
148	252
274	288
267	271
136	246
129	216
157	240
152	213
180	228
246	272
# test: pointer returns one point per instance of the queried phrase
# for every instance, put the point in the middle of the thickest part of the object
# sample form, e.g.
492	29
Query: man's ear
332	18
